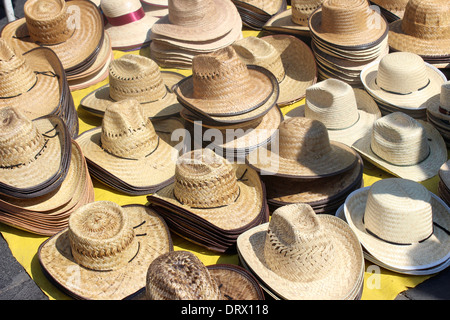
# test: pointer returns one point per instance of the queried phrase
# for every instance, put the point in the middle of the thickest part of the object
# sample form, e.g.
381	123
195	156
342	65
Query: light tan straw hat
304	151
300	255
288	58
439	105
403	146
136	77
105	252
400	223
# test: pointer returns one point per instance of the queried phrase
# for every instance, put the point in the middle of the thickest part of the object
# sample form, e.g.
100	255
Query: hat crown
126	132
189	12
135	77
397	207
117	8
399	139
402	73
204	179
444	97
333	103
101	237
180	275
297	247
302	9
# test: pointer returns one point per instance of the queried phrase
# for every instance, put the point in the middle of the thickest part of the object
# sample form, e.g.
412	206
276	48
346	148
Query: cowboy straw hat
130	238
439	104
287	57
404	147
400	223
136	77
301	255
304	151
74	30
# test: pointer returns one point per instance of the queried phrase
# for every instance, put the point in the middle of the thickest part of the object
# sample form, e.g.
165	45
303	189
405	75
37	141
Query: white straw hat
439	105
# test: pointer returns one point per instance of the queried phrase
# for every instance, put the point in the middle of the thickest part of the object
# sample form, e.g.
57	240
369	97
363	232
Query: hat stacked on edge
346	36
191	28
300	255
444	182
438	112
237	101
108	247
43	173
126	153
212	200
256	13
302	165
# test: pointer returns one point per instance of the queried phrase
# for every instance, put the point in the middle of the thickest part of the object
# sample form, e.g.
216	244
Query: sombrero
105	251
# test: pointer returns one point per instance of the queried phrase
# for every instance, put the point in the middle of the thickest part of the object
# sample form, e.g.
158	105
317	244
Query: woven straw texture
439	104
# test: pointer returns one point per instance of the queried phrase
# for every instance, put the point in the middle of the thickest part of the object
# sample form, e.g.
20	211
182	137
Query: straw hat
74	30
136	77
302	255
400	223
403	146
105	251
396	7
128	26
127	146
304	151
350	23
266	7
439	105
402	79
424	29
288	58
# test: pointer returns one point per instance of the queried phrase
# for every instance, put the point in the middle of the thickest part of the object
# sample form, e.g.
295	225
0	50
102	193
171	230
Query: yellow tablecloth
379	283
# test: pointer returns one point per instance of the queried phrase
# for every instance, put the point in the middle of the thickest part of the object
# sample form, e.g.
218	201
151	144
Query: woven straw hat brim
433	105
83	42
94	78
263	8
162	3
56	260
98	100
414	100
424	170
426	254
342	283
283	21
157	168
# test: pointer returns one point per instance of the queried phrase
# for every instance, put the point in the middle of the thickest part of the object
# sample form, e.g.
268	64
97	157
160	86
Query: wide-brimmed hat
400	223
304	151
288	58
439	104
73	29
403	146
302	255
136	77
109	247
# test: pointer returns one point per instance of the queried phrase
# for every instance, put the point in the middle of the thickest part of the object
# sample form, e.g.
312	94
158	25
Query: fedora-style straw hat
400	223
108	247
404	147
288	58
304	151
136	77
300	255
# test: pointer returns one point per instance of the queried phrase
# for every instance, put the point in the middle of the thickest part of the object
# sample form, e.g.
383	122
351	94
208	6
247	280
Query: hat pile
438	112
300	255
235	104
346	36
308	167
401	225
43	173
255	13
212	200
191	28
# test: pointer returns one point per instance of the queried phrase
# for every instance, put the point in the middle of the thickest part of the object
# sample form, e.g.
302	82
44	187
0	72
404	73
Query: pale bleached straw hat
301	255
105	252
304	151
288	58
136	77
439	105
404	147
400	223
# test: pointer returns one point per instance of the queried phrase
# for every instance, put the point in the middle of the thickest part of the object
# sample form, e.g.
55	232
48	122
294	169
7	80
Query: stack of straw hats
234	103
300	255
43	173
305	166
74	30
35	83
438	112
346	36
127	153
401	225
256	13
191	28
108	247
212	200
